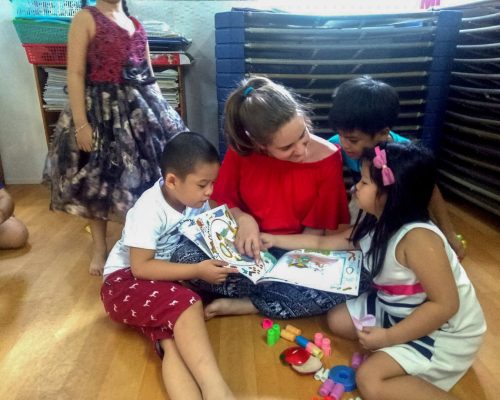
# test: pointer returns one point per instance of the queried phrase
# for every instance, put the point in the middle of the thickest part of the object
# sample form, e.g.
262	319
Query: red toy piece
294	356
300	360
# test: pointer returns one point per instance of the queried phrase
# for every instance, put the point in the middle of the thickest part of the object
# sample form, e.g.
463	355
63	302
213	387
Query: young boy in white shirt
142	287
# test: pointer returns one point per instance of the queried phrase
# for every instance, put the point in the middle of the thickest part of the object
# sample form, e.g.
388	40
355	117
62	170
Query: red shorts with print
150	306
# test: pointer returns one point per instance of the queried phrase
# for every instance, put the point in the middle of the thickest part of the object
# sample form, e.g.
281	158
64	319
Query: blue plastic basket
41	31
48	8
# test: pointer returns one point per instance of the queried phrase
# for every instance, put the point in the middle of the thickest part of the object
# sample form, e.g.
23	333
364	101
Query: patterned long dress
131	122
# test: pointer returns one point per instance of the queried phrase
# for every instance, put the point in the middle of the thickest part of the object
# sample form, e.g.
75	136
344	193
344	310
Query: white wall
22	139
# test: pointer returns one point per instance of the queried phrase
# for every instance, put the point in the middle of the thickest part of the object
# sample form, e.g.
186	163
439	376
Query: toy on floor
267	323
309	346
345	376
304	359
357	359
300	360
273	334
322	374
340	379
323	343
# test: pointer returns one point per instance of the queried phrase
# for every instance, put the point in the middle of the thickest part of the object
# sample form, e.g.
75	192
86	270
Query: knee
332	319
338	319
14	234
20	235
368	384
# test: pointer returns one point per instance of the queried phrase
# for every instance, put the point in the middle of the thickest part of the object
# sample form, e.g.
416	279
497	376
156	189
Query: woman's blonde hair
256	110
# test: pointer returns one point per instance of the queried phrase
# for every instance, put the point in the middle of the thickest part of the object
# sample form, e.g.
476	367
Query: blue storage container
48	8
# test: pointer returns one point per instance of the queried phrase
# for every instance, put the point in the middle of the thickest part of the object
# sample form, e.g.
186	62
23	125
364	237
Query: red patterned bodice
112	48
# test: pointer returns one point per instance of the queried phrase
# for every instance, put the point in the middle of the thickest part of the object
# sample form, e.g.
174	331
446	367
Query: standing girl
276	177
108	141
429	324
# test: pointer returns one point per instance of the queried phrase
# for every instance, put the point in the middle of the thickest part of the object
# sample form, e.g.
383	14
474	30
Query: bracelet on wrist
81	127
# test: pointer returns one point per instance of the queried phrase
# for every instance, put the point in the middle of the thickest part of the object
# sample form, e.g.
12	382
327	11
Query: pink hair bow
380	162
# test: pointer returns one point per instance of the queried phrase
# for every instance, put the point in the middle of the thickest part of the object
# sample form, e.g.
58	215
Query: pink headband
380	162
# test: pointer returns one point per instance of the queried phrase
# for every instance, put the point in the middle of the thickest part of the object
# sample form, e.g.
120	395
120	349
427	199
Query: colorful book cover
215	230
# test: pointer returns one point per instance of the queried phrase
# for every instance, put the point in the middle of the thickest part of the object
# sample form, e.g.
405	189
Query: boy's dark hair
364	104
408	198
184	152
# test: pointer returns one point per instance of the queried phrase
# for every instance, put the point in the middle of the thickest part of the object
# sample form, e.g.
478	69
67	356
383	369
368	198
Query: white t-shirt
150	224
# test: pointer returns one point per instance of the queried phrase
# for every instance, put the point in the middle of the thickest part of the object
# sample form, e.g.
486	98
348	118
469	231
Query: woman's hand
84	138
248	238
266	241
374	338
214	271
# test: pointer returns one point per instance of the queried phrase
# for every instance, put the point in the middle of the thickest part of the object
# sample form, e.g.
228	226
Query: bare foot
97	263
230	307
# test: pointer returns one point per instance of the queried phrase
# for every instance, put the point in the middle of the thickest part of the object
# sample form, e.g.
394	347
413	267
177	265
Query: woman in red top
276	177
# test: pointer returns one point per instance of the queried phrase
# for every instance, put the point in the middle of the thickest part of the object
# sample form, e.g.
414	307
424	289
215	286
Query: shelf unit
470	152
314	54
50	117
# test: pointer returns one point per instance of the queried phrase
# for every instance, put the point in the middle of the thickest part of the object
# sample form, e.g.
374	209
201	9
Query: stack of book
55	93
168	81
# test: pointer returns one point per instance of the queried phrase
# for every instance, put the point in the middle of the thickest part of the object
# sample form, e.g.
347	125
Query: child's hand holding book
215	271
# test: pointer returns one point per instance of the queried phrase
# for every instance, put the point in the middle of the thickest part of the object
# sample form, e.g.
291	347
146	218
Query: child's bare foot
97	263
230	307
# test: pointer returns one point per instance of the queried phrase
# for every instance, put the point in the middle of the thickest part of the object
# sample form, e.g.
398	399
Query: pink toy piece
367	320
326	346
326	387
318	337
337	391
356	360
267	323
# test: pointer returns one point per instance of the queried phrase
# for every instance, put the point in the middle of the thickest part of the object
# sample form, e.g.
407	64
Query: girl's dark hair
186	151
256	110
125	8
414	170
364	104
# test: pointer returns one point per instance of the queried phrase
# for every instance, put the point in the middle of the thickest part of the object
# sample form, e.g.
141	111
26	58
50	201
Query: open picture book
214	232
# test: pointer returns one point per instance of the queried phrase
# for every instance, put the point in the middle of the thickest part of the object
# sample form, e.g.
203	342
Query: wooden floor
56	342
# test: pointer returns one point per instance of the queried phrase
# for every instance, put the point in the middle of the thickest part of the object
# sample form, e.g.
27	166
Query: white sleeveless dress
443	356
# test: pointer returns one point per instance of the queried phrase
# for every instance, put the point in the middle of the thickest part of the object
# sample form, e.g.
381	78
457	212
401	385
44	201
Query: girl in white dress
429	324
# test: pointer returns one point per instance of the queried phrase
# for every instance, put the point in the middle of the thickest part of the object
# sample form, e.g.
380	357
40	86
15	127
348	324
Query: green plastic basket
41	31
